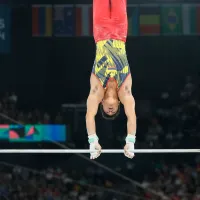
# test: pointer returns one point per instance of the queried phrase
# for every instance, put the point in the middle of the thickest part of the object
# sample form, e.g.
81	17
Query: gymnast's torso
111	62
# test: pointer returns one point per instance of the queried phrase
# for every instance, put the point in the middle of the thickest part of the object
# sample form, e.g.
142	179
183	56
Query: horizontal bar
66	151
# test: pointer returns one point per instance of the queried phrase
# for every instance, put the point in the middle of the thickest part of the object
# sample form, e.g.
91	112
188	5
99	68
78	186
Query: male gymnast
110	81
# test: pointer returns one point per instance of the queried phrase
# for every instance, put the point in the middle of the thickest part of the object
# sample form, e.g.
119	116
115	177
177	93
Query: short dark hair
109	117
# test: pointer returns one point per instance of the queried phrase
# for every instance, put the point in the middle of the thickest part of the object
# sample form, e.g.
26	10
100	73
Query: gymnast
110	81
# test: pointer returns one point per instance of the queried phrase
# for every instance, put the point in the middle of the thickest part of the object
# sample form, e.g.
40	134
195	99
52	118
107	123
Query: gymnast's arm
92	108
129	107
127	99
94	98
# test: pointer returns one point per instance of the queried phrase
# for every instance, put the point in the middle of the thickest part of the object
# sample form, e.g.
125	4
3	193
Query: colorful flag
171	20
133	20
149	20
42	20
64	20
84	20
191	19
4	130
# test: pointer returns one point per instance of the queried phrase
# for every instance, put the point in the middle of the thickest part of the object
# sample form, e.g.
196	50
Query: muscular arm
129	107
94	98
92	107
128	101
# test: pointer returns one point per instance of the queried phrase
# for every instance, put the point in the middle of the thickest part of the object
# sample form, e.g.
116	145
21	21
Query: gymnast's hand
94	146
130	143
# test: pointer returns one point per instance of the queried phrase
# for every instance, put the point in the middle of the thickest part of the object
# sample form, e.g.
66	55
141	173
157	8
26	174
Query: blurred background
46	57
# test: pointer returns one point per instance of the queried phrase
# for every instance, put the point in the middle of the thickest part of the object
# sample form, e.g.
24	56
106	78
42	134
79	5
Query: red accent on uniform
111	78
110	20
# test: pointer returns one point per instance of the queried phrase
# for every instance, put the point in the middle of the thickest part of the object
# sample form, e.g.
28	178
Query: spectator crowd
174	123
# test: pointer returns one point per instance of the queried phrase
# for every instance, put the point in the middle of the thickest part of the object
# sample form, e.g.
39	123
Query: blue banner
5	23
33	133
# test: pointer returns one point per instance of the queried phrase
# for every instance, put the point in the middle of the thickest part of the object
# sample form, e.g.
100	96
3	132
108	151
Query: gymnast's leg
119	18
119	10
101	11
101	19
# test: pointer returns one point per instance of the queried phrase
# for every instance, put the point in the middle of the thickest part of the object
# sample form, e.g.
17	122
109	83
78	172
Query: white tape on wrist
130	138
93	138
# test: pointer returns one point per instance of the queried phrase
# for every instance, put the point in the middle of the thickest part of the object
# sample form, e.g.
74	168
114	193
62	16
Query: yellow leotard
111	62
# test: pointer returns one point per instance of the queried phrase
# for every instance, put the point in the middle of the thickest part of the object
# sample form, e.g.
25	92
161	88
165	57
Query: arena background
46	80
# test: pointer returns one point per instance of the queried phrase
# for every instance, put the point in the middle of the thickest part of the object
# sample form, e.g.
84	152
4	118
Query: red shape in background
4	126
31	131
13	135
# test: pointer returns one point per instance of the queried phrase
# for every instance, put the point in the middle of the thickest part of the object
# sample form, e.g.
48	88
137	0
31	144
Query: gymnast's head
110	106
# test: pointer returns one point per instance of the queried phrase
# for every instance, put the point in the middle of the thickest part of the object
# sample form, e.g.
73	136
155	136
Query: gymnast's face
110	103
